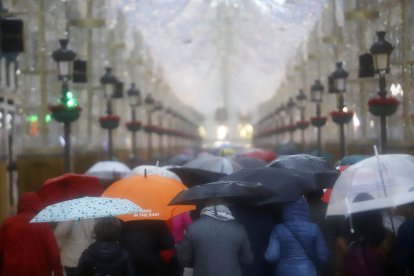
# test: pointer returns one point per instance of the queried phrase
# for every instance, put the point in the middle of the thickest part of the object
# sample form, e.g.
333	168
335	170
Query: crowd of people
220	238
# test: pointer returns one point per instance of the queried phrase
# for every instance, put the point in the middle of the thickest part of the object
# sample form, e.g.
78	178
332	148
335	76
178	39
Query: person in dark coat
28	248
365	228
105	256
258	223
403	255
330	227
145	240
215	245
296	244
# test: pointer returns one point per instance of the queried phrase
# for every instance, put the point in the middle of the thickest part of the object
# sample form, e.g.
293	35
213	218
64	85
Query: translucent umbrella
388	180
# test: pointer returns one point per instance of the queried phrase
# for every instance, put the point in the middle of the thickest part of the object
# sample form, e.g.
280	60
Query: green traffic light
70	100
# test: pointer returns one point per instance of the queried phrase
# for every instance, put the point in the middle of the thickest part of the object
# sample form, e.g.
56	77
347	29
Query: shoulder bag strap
301	244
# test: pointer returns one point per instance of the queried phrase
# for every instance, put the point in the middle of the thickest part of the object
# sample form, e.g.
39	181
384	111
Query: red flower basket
109	122
383	106
133	125
63	114
341	117
150	128
318	121
290	128
302	124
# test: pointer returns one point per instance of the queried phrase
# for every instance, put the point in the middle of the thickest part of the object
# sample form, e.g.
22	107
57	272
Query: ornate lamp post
110	121
342	116
149	104
302	124
290	105
159	107
134	125
67	110
383	106
318	121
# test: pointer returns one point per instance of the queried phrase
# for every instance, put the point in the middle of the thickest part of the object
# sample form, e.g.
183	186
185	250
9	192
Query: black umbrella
192	176
220	190
287	184
250	162
311	167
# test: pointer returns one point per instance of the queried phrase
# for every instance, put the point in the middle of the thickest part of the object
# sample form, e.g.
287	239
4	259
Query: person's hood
295	210
107	252
219	212
29	203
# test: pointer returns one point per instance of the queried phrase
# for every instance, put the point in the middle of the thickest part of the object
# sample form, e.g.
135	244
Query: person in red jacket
28	248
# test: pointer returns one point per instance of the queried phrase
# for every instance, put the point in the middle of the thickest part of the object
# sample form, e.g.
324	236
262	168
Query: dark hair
108	229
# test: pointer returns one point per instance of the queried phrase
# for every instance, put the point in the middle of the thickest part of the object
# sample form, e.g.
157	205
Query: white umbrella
153	170
387	179
213	163
108	170
86	208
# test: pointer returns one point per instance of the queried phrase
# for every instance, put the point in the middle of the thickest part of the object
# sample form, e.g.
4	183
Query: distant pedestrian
296	245
73	237
145	240
364	246
215	245
106	256
28	248
403	256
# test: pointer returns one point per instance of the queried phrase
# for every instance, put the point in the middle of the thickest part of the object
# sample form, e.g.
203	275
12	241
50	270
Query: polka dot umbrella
86	208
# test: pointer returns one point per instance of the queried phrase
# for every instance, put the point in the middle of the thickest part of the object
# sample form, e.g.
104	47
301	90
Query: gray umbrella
214	164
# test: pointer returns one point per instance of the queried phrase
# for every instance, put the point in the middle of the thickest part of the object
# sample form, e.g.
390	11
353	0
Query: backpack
107	267
362	259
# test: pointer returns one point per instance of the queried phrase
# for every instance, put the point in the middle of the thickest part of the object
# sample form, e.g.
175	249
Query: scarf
219	212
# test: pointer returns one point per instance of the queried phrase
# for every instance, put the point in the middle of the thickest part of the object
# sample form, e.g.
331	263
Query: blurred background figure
73	238
28	248
106	256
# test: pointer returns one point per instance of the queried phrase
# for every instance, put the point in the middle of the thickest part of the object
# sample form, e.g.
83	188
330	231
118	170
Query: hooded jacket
105	258
28	248
215	245
296	245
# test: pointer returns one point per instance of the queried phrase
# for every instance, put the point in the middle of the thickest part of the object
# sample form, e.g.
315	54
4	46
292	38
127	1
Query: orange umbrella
152	193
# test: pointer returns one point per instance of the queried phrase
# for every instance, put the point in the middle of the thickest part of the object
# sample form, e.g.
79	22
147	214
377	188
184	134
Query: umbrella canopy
180	159
108	170
191	176
152	193
287	148
69	186
286	183
154	170
86	208
316	168
351	159
214	163
387	179
250	162
220	190
261	154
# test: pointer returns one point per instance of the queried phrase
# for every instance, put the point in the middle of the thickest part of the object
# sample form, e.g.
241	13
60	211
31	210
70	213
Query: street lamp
149	105
67	109
381	51
318	121
159	107
110	121
342	116
302	124
290	105
134	97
